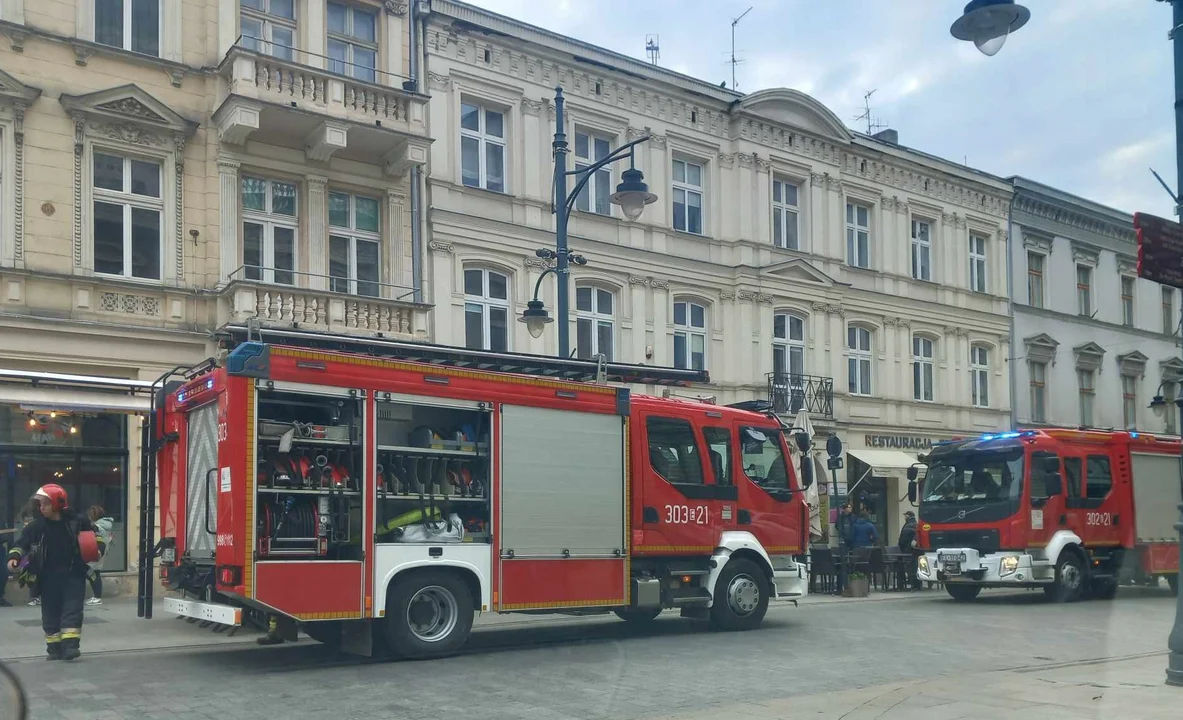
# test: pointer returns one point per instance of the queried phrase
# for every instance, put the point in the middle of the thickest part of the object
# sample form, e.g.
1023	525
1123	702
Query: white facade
1095	343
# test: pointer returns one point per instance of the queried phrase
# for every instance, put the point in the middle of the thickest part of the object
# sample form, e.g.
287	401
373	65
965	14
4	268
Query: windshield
763	457
975	476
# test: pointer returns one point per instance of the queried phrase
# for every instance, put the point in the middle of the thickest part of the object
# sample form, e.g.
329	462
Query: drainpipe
1010	304
416	179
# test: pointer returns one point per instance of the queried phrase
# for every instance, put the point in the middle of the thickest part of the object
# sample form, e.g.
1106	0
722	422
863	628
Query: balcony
376	310
296	104
790	394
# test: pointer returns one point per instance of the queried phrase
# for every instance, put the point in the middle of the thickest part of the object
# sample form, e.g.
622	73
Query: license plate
951	558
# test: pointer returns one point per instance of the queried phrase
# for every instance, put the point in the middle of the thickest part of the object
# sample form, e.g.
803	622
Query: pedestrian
4	540
910	546
49	544
843	526
31	510
103	527
863	532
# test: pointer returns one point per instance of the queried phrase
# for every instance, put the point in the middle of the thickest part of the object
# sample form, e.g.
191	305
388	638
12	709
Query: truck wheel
637	616
1070	579
962	593
428	614
741	596
1103	588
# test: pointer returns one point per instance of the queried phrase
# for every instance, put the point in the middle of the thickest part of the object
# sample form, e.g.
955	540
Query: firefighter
51	544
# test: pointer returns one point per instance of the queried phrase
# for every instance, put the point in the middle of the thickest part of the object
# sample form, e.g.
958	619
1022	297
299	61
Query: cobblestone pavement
601	668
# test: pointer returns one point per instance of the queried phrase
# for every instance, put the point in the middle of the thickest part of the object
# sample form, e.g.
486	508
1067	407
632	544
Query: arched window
858	360
922	368
788	344
979	375
594	324
486	309
690	335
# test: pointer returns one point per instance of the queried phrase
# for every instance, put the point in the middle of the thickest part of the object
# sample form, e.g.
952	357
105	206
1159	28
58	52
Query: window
269	222
690	339
922	369
788	345
1038	391
596	196
1127	301
858	360
673	451
1169	392
979	375
784	215
687	197
977	263
128	24
1035	280
593	322
1073	473
763	458
1129	401
1039	473
858	235
354	242
921	250
352	41
1086	381
1168	311
127	216
482	147
719	446
269	26
1099	477
1084	290
486	310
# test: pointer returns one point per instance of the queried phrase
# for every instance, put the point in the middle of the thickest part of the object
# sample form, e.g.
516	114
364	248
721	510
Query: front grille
984	541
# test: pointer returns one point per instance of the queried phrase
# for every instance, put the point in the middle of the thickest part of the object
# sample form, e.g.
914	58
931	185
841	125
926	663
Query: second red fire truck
373	500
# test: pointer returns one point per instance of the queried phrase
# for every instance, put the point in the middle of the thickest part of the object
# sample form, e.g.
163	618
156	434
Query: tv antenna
873	123
652	49
735	61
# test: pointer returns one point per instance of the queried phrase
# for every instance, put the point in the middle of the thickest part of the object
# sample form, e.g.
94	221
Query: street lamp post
987	23
632	195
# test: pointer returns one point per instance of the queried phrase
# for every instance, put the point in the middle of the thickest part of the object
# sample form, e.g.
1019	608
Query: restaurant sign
898	442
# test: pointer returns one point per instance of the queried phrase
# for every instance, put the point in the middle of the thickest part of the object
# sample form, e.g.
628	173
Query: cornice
1075	218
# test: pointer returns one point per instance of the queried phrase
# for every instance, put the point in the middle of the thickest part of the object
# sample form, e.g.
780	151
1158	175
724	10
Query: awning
32	398
884	459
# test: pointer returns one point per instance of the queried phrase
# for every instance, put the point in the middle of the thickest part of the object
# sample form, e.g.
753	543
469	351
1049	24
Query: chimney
888	136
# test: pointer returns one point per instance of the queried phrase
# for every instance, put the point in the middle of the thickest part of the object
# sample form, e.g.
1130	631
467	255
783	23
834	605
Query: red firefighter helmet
56	495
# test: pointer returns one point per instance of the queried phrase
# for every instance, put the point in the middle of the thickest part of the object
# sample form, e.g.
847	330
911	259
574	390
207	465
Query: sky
1081	98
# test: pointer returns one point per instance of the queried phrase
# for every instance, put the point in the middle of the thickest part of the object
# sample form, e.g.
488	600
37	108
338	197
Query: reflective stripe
56	638
71	634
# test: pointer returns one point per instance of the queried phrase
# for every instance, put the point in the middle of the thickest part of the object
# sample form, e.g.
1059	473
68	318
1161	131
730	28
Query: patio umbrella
800	424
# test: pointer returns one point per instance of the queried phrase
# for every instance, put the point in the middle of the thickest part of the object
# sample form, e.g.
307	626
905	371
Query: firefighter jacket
51	546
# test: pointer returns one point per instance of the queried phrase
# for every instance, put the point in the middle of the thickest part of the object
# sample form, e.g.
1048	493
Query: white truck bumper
212	612
966	565
790	584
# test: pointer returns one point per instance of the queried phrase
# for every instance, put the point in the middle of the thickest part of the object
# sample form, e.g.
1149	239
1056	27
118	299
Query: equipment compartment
309	478
433	470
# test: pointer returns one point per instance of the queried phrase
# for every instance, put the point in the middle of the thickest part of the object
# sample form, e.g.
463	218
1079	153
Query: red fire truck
379	502
1074	512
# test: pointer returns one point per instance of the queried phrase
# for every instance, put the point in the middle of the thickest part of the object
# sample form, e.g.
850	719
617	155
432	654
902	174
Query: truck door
766	501
1045	509
1072	517
721	459
680	512
1102	516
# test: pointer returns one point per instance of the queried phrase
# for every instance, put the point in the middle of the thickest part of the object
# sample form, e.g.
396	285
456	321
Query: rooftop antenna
652	49
734	61
873	123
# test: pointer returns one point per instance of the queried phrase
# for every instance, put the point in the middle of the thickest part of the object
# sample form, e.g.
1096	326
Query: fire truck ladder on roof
573	369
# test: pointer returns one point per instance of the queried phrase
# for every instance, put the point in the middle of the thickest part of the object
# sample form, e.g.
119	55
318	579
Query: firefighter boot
425	477
71	640
272	637
53	647
442	484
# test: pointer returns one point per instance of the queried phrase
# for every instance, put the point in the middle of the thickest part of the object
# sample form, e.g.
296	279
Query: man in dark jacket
50	543
907	537
863	532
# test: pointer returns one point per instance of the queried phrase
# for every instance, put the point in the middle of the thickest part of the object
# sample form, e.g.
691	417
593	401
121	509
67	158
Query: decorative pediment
798	270
1132	363
795	109
1089	356
1041	348
1035	240
1085	254
16	92
1127	265
1171	369
127	104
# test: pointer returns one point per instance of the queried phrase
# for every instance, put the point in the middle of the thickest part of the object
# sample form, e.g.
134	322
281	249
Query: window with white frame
269	226
269	26
597	193
977	263
921	250
1038	383
1169	321
128	24
785	230
788	345
486	310
1171	416
1084	290
688	193
922	368
690	335
1086	384
1127	301
482	147
594	325
352	41
858	360
979	375
1129	401
354	242
128	209
1035	280
858	235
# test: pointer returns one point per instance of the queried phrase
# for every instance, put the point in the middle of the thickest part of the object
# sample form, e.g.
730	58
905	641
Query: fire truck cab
380	503
1074	512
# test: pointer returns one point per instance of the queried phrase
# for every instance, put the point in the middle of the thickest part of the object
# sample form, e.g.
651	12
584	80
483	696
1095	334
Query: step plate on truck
213	612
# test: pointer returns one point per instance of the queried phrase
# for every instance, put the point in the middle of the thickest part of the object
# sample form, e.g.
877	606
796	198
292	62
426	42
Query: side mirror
1053	485
12	696
912	474
803	442
912	485
806	472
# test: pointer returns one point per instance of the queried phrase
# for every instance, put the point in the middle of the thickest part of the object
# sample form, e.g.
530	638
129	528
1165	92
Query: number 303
686	515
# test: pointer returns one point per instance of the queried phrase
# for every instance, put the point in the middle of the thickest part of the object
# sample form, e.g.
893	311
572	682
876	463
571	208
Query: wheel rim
1070	576
743	595
432	613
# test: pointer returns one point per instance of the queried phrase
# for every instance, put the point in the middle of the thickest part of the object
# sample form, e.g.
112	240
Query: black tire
428	614
1071	579
963	593
1173	582
635	616
741	596
1103	588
